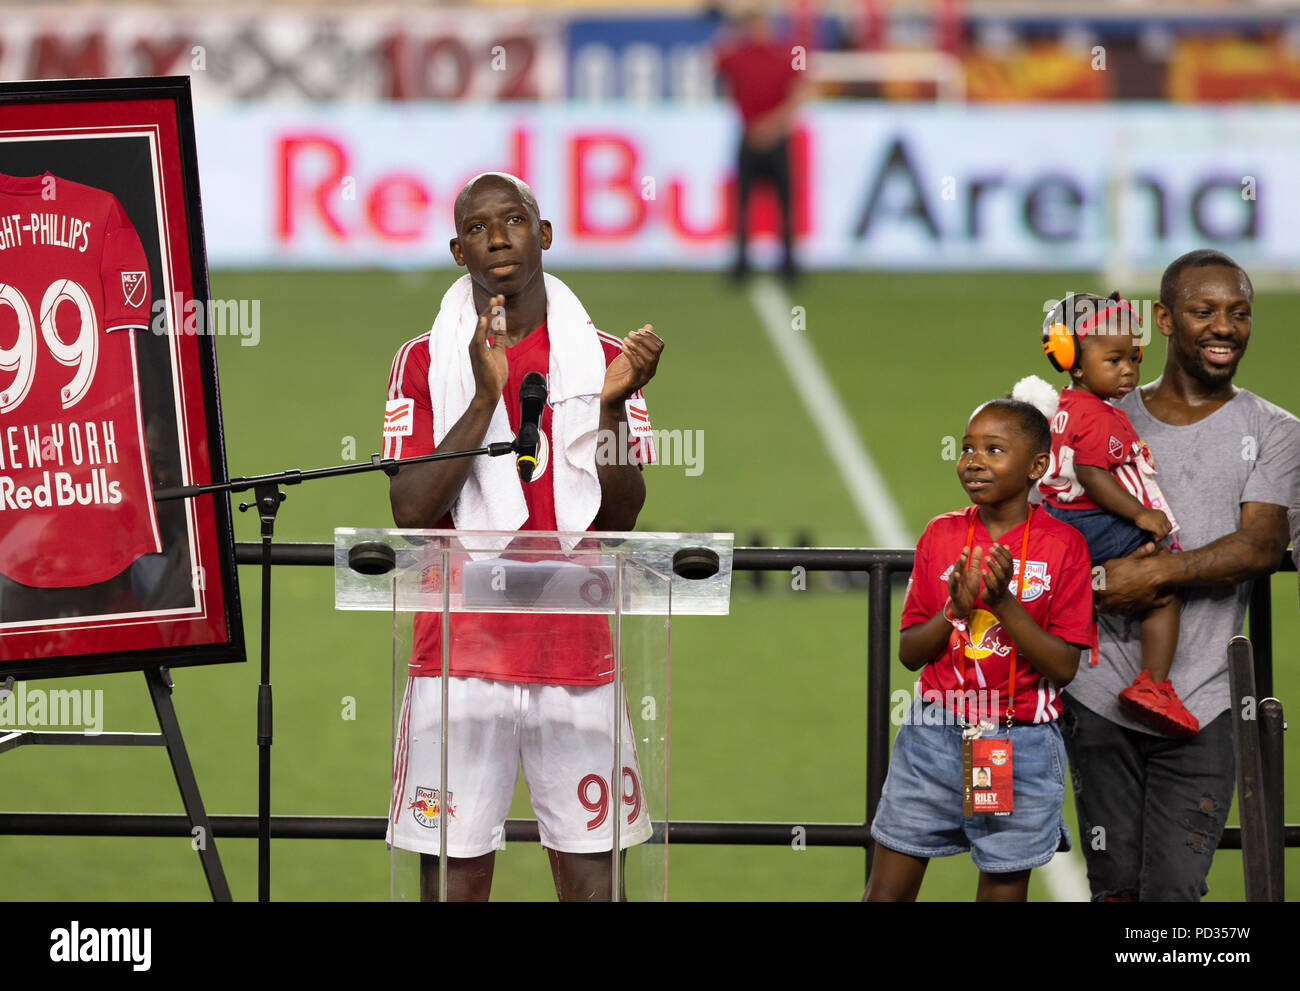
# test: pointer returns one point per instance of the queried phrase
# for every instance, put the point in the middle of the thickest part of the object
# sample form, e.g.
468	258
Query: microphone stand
267	500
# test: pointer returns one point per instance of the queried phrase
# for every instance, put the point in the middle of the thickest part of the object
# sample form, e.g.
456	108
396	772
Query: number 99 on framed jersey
108	387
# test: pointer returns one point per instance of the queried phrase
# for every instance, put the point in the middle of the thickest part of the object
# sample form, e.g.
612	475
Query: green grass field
768	704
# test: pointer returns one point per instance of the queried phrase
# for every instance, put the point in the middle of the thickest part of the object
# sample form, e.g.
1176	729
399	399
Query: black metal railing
879	564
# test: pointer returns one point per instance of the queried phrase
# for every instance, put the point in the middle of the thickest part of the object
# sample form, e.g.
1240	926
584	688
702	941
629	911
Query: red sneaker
1158	705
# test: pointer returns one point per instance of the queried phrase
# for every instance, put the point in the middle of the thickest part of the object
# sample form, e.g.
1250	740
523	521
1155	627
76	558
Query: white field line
861	477
1064	874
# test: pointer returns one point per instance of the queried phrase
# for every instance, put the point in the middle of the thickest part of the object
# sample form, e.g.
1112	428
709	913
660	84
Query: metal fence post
1250	790
1271	725
877	693
1260	625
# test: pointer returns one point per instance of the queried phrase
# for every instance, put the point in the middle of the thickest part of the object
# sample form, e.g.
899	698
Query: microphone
532	396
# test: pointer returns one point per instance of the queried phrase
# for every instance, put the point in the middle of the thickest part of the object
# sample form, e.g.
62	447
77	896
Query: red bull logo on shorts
426	806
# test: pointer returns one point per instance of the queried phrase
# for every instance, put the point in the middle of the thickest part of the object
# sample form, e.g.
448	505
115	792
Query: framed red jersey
108	387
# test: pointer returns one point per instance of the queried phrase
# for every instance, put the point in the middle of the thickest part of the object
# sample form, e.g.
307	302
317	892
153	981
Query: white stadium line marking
1064	874
1066	878
861	477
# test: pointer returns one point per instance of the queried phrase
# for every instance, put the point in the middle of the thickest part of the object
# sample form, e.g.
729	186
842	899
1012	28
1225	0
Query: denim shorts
1107	535
920	811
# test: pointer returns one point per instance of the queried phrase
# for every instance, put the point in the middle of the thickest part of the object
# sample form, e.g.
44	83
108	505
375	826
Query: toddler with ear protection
1101	476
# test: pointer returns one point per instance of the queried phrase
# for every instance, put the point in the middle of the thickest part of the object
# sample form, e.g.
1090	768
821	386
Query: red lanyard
1020	591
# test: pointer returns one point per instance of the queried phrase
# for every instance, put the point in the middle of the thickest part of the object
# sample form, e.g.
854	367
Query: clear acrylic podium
527	651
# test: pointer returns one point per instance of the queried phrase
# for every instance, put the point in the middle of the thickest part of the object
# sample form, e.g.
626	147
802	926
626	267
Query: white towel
492	497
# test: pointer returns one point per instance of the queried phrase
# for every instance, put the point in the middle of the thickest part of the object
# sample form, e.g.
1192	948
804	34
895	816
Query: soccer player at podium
525	689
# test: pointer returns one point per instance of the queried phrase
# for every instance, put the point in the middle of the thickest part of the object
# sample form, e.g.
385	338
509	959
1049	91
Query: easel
268	497
159	681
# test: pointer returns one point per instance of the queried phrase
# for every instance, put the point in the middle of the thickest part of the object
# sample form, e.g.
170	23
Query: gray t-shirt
1248	450
1294	516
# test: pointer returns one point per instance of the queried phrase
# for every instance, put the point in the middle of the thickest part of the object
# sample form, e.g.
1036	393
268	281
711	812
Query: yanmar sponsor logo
399	418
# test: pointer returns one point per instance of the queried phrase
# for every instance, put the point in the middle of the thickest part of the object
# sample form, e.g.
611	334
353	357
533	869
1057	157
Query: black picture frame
123	639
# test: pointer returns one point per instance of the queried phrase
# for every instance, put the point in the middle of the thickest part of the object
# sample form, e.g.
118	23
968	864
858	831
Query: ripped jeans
1151	809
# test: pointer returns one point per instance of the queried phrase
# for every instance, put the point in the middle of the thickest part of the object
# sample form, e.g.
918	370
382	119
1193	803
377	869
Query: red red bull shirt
532	647
74	289
1057	596
1087	430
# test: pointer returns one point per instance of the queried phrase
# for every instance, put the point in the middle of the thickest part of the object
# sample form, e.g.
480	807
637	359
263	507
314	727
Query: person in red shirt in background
764	79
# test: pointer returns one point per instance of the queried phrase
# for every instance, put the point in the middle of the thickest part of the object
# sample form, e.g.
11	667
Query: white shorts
560	733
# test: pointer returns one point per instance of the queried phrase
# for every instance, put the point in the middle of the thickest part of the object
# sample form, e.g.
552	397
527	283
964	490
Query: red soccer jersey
561	649
1058	597
74	283
760	76
1087	430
